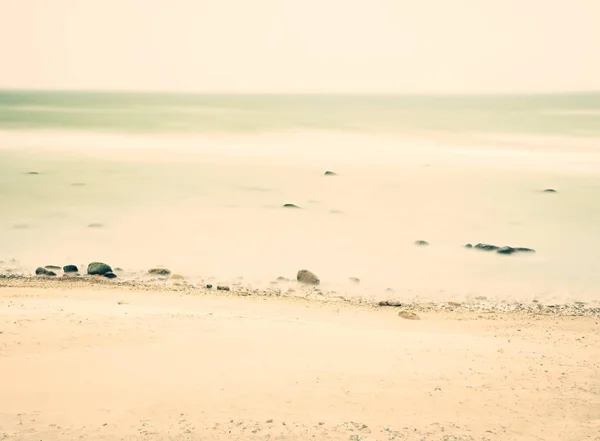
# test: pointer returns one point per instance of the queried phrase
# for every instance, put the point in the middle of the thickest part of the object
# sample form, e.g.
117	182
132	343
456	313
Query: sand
109	363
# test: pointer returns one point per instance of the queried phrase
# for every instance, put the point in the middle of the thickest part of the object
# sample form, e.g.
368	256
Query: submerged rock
511	250
98	269
330	173
70	269
486	247
44	272
110	275
159	271
421	243
290	206
308	278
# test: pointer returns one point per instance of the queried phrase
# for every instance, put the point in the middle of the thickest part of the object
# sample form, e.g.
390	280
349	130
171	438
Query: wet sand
110	362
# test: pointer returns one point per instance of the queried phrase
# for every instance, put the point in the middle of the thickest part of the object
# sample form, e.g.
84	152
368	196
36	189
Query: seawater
197	183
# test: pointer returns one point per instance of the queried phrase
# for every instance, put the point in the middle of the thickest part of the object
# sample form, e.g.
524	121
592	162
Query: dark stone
110	275
290	206
52	267
524	250
511	250
70	269
330	173
222	288
550	190
44	272
209	286
486	247
392	303
308	278
421	243
468	245
98	269
32	173
159	272
95	225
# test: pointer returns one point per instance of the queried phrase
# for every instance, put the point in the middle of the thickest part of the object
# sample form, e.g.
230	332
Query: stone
524	250
96	225
330	173
392	303
421	243
282	279
290	206
33	173
486	247
308	278
468	245
177	277
52	267
44	272
222	288
355	280
159	271
110	275
550	190
505	250
98	269
454	303
408	315
209	286
511	250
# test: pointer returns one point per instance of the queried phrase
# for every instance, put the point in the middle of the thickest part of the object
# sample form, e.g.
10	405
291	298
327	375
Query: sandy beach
104	361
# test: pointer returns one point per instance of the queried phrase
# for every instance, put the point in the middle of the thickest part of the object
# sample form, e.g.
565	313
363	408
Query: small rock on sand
330	173
98	269
307	277
70	269
159	271
392	303
454	303
95	225
468	245
222	288
33	173
421	243
209	286
355	280
110	275
408	315
44	272
550	190
177	277
290	206
511	250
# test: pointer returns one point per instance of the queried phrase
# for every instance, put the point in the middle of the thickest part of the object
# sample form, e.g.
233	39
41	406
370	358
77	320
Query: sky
301	46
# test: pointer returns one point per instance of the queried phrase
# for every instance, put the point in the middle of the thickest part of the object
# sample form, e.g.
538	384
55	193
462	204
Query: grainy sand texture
116	363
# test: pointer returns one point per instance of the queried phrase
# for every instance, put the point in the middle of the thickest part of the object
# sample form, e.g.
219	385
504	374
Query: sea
197	183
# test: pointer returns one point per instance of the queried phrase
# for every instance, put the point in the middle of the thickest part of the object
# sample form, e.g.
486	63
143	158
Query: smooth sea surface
197	183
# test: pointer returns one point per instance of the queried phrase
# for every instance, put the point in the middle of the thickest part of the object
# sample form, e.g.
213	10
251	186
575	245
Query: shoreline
314	295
